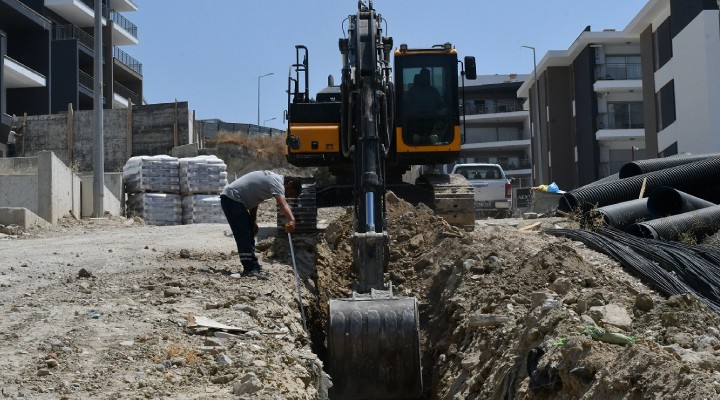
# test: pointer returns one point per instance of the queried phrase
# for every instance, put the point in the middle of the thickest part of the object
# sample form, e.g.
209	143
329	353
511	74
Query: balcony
123	5
124	31
618	78
88	82
496	139
79	12
72	32
122	96
128	61
19	76
620	126
510	112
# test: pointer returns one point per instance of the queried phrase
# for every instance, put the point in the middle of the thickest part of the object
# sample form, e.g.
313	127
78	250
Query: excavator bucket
373	347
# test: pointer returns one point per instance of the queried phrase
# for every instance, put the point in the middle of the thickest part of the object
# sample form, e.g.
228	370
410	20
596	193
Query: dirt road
110	309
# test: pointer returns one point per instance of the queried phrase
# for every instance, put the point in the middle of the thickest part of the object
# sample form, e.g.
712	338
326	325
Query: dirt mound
509	312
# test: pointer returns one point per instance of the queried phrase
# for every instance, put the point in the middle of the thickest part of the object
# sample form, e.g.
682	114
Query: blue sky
210	53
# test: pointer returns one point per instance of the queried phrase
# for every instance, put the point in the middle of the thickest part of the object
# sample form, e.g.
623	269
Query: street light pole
266	121
258	96
539	175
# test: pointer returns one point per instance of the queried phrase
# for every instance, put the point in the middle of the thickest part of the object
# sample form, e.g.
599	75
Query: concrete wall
58	188
43	185
113	197
154	129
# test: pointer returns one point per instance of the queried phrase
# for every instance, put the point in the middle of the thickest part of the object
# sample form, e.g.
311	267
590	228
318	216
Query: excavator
369	130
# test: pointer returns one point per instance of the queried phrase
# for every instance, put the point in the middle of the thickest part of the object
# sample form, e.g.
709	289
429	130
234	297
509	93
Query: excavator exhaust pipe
374	347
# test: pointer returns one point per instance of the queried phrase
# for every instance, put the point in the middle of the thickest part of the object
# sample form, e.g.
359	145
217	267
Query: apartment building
648	91
589	120
495	127
47	53
680	42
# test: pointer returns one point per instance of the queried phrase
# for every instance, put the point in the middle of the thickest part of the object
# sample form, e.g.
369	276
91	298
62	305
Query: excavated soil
116	309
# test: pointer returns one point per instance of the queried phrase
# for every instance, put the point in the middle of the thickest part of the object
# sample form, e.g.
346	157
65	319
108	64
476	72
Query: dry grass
175	349
272	146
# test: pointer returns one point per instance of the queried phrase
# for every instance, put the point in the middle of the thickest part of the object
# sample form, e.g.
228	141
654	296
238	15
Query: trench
323	261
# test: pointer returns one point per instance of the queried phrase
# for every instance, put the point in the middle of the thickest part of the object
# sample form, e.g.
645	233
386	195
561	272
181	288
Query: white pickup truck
493	190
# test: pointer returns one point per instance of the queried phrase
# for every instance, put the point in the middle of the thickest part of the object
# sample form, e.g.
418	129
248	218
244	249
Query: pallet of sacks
202	179
152	184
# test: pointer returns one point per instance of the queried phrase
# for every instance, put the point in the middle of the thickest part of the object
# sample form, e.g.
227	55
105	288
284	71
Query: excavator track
453	199
304	208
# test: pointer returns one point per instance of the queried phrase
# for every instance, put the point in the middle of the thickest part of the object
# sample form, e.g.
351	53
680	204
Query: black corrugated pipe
639	167
620	215
698	224
665	201
690	178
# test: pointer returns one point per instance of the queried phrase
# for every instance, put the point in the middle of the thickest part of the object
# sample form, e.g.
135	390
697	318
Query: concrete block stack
202	179
153	186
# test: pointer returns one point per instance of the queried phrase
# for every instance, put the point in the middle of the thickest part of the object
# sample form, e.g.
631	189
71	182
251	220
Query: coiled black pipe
691	178
697	224
665	201
620	215
639	167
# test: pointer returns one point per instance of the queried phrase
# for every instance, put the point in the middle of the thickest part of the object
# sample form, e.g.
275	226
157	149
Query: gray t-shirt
255	187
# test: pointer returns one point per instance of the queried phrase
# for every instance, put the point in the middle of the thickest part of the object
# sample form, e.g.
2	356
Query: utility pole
538	178
99	158
258	96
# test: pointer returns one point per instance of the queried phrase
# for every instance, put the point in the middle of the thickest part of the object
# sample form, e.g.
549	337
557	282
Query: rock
247	384
171	291
210	341
83	273
224	360
487	320
184	253
644	302
538	298
611	314
561	286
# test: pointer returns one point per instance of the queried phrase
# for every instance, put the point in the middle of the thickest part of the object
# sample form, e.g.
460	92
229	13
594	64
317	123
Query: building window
662	45
623	67
665	103
624	116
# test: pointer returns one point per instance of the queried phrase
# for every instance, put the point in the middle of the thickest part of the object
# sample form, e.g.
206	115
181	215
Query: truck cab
493	190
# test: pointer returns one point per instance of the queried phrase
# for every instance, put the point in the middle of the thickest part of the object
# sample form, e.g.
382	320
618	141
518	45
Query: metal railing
72	32
88	82
124	23
623	71
472	109
497	136
126	93
128	60
623	120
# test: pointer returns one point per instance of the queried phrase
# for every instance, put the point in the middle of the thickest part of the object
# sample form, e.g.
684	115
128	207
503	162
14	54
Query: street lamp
539	177
258	97
265	121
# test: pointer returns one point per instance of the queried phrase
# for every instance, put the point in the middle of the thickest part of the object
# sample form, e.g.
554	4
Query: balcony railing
124	23
87	81
625	71
624	120
472	109
126	59
126	93
72	32
504	135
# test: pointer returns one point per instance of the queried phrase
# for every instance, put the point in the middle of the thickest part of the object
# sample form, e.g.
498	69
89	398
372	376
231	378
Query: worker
11	141
240	200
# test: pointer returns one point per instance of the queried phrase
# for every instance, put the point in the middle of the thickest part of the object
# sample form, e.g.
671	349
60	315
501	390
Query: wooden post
129	129
176	139
24	132
70	133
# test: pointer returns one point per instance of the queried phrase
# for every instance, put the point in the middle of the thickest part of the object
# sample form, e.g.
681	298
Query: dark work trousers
242	228
11	150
